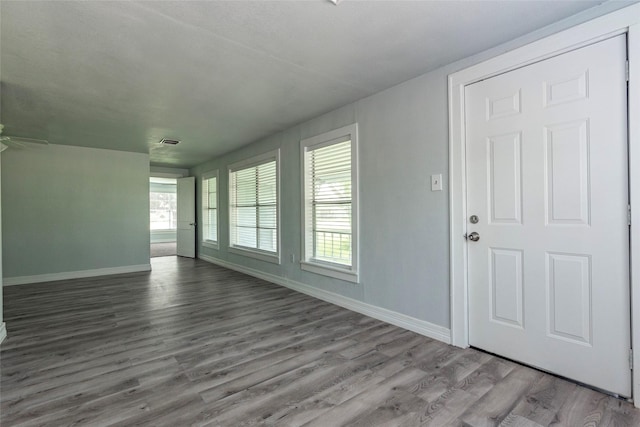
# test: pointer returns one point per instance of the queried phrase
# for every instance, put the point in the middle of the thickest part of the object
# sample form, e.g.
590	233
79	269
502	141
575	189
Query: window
163	204
210	209
253	200
330	203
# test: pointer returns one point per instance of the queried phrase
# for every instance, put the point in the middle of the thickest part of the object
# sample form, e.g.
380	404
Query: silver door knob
474	237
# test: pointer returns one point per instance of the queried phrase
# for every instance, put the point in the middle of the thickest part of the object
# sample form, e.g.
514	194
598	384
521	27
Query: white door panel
186	234
547	177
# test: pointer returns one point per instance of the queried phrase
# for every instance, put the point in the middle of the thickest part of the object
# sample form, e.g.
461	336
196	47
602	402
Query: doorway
624	22
547	198
163	206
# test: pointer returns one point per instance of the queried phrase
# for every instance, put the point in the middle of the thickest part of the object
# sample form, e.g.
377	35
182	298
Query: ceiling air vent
169	141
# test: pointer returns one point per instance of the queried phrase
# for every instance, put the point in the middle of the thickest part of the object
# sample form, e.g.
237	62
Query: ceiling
220	75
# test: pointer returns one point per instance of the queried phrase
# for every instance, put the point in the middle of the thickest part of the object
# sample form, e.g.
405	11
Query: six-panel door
547	176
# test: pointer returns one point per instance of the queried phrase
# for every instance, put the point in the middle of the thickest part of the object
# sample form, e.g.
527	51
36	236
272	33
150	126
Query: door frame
623	21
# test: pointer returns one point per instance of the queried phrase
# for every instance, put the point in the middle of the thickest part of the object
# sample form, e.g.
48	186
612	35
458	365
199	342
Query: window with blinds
210	208
253	192
330	191
330	205
163	204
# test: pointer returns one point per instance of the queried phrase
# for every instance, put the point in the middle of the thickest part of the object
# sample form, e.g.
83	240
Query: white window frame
244	164
347	273
205	206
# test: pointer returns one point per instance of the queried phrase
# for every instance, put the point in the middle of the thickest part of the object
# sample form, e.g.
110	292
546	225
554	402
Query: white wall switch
436	182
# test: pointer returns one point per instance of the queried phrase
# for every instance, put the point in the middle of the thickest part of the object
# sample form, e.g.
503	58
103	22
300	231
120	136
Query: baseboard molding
421	327
3	331
66	275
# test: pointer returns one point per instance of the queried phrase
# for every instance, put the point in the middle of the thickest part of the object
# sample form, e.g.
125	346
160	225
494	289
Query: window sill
261	255
325	270
210	244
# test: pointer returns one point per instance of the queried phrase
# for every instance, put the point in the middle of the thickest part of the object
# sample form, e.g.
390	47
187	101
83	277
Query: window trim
261	255
206	242
307	263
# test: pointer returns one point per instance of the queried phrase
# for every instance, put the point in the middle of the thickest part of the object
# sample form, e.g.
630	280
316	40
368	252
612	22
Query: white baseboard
421	327
21	280
3	331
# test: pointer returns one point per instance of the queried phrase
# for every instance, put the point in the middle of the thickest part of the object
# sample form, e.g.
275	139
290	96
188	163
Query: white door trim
625	20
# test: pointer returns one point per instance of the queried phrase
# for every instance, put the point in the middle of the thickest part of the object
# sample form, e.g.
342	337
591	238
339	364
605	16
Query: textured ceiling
219	75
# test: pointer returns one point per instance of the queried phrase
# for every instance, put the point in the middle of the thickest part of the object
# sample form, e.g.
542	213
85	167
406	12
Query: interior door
186	235
548	267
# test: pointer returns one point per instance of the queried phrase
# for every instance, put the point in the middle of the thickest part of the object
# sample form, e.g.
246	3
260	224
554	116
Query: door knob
474	237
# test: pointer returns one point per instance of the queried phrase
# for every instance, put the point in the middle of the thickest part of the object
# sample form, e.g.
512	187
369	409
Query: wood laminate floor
195	344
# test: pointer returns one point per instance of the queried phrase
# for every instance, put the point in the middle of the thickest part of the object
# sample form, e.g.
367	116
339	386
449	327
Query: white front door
547	179
186	236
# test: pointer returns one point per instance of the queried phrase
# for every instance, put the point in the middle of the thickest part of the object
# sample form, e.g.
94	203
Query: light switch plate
436	182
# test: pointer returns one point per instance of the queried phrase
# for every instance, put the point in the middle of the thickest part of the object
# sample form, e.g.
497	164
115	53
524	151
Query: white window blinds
330	201
210	209
254	204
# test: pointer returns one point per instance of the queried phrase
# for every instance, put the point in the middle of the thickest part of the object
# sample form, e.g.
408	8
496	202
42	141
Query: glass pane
163	211
212	229
213	202
330	191
333	217
246	216
246	187
247	237
267	216
267	183
267	239
333	247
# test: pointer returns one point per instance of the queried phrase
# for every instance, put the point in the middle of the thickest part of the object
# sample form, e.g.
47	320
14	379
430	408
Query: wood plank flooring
194	344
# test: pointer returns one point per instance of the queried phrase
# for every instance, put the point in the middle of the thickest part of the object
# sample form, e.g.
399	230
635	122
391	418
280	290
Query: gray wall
404	240
404	227
163	236
70	209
